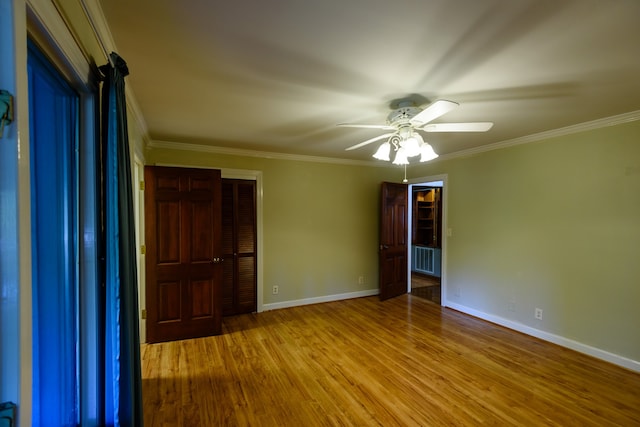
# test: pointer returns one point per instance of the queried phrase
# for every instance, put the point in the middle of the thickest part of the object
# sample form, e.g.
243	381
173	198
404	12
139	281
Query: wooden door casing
393	240
183	241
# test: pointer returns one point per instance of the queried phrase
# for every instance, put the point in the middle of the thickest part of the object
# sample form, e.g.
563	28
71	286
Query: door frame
423	181
250	175
138	209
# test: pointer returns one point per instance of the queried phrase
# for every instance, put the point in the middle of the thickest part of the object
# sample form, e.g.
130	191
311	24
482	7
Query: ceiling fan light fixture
383	152
401	157
427	153
411	146
406	120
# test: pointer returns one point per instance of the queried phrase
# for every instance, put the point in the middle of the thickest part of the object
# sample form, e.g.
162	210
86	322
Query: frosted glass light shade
383	152
401	157
427	153
411	146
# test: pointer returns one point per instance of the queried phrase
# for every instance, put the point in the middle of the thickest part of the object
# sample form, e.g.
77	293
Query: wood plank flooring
362	362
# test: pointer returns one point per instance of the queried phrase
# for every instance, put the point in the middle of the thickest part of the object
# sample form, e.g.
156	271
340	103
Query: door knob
217	260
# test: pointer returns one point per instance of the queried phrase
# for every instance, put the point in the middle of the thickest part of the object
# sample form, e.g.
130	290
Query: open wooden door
183	258
393	240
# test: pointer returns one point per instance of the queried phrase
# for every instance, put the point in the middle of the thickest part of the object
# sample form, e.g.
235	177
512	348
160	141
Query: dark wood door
393	240
238	246
183	258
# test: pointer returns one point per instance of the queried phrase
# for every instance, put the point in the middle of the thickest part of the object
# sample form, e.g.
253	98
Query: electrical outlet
275	290
361	280
538	313
456	292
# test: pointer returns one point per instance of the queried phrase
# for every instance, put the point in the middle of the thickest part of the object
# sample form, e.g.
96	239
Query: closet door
239	246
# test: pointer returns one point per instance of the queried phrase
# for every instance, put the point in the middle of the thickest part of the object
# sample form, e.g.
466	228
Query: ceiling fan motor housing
402	115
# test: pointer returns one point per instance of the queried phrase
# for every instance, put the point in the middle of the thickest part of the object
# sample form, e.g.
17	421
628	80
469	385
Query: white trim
554	133
95	17
318	300
50	24
200	148
537	137
225	172
14	76
138	196
134	109
631	364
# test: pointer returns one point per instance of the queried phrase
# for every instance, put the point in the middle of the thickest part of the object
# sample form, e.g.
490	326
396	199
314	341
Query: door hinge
141	185
143	249
143	313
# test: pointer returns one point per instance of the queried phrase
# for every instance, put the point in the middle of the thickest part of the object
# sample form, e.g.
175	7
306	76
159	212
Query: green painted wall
553	225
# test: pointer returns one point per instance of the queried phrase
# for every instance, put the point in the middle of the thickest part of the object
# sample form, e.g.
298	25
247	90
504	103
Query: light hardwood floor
362	362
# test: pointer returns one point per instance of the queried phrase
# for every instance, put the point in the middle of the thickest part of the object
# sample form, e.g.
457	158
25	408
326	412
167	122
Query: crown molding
554	133
171	145
95	17
537	137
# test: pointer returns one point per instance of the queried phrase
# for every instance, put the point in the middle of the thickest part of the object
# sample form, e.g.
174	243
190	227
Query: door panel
201	291
183	225
393	240
201	229
169	301
168	218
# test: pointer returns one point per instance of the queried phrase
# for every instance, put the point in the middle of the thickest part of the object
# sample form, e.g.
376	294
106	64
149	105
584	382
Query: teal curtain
121	345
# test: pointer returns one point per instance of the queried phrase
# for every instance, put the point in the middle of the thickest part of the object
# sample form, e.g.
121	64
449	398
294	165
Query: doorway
426	206
226	174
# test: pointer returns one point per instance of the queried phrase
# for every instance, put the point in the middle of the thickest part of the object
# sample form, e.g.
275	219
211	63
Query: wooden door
183	258
239	246
393	240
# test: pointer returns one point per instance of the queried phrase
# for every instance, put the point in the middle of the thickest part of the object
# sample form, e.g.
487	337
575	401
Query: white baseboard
317	300
631	364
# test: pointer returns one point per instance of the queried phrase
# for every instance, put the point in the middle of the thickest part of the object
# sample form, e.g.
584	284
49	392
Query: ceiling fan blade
369	141
433	111
458	127
355	125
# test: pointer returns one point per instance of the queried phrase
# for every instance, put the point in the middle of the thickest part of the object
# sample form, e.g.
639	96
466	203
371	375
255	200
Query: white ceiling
278	75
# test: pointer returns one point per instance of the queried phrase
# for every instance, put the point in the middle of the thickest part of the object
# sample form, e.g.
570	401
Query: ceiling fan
405	121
